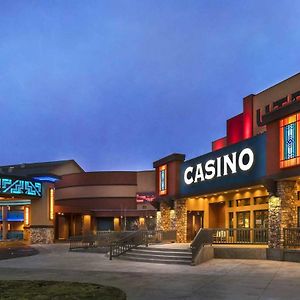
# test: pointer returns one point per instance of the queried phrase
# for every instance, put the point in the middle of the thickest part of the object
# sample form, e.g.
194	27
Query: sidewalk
216	279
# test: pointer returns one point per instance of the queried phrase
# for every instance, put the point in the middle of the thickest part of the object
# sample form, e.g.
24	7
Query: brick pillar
181	220
165	216
282	212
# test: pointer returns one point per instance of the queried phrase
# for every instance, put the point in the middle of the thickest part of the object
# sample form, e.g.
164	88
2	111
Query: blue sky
118	84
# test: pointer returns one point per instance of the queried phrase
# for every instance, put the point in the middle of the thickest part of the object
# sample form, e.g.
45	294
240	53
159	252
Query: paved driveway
216	279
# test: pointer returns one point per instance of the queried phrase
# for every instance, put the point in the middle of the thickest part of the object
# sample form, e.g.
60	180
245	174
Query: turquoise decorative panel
20	187
163	180
290	141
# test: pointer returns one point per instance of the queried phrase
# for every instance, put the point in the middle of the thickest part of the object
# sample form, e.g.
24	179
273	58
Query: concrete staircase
159	255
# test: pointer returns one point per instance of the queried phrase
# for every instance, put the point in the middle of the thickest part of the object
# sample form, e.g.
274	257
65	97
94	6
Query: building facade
44	202
99	201
251	179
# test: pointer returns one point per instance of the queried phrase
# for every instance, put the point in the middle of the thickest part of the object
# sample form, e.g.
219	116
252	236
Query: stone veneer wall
158	221
274	222
26	233
165	211
181	220
42	235
172	220
282	212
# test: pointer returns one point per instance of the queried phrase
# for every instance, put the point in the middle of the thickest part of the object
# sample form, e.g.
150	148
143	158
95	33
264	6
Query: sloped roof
39	168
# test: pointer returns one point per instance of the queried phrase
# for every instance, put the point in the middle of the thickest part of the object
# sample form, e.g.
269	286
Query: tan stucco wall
96	191
268	96
200	204
146	181
65	169
39	209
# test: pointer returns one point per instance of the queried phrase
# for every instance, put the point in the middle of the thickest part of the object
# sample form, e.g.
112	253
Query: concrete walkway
216	279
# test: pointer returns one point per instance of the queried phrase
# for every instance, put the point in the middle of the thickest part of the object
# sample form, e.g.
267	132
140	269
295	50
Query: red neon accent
235	129
219	144
248	117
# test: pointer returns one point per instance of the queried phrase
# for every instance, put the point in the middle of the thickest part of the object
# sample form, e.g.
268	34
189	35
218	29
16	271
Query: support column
181	220
282	212
4	223
165	210
86	230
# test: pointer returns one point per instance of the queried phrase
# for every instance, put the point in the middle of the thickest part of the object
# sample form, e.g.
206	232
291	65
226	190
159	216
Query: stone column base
181	220
41	234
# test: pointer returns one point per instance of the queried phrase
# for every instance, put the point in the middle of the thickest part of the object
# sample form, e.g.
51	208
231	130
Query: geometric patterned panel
20	187
162	180
289	140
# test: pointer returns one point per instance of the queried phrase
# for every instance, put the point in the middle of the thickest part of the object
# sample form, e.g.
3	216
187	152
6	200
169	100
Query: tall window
163	180
290	141
51	204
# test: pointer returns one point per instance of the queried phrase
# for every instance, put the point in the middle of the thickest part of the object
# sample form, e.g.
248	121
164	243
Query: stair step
157	256
158	261
165	249
168	253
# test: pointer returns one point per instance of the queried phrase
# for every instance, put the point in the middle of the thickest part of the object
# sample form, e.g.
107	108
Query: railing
103	239
125	244
97	240
291	237
240	236
158	236
203	237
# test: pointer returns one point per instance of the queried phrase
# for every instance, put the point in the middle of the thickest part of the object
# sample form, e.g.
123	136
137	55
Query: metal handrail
291	237
97	239
202	238
228	236
240	236
123	245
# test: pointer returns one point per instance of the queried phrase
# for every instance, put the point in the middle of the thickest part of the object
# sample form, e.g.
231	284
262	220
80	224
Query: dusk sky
118	84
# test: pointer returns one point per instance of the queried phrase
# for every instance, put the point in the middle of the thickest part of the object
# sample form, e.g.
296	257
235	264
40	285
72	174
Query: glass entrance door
243	225
261	221
11	222
194	223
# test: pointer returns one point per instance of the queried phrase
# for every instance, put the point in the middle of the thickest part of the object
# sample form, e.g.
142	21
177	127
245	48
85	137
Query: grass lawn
55	290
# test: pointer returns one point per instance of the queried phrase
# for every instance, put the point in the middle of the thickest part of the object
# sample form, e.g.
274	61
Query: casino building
250	179
43	202
249	183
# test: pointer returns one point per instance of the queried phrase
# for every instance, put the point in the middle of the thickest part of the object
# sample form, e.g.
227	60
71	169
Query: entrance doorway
217	215
243	223
194	223
105	224
11	222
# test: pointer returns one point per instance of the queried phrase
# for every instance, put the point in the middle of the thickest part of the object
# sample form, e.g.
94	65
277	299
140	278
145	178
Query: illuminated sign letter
186	179
210	170
219	167
246	152
199	173
230	163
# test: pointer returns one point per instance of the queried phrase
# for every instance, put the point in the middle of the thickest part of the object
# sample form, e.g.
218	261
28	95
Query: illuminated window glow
51	204
163	180
289	141
26	215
